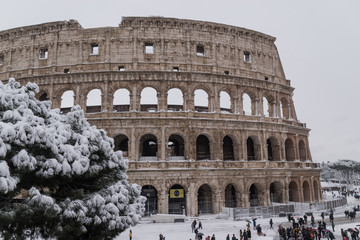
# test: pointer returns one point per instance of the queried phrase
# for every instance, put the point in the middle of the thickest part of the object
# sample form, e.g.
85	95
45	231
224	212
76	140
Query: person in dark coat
228	237
213	237
248	234
271	223
233	237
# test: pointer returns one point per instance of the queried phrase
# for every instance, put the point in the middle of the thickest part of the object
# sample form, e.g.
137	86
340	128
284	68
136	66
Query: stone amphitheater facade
208	148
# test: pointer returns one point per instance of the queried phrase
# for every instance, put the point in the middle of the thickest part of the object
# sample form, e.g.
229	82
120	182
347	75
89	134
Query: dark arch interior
151	204
177	200
250	149
254	196
121	143
205	199
202	148
148	146
230	196
228	148
176	147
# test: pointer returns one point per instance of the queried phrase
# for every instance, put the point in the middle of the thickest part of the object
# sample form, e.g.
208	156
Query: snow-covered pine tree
73	184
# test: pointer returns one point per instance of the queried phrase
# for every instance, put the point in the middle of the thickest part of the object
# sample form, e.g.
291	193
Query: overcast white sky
318	41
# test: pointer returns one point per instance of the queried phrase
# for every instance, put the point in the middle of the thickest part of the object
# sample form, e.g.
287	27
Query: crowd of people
299	228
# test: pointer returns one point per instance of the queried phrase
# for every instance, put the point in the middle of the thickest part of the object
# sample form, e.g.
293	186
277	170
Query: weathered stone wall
62	56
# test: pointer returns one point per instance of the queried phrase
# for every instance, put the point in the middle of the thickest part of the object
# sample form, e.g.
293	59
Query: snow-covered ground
221	227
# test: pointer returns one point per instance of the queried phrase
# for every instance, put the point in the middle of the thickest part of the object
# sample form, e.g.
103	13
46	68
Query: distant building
220	129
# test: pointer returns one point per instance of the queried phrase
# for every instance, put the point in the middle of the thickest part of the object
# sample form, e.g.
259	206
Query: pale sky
318	42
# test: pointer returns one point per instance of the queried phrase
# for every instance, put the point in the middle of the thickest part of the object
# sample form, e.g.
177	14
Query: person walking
271	223
213	237
254	223
233	237
193	226
200	225
228	237
130	235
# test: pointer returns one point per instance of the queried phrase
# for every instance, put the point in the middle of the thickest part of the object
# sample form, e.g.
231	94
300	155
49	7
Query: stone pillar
134	154
267	200
239	200
261	107
162	106
162	146
217	200
211	103
104	97
235	105
296	148
301	195
241	105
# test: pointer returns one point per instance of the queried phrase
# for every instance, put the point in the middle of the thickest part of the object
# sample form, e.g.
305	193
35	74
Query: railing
325	205
176	158
241	213
148	158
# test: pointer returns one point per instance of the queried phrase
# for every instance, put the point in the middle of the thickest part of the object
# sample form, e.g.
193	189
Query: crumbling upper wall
175	43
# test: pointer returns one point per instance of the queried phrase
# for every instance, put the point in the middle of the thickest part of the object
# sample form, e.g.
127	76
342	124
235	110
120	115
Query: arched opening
201	101
93	101
316	191
121	143
175	100
306	191
43	97
255	195
228	148
284	105
247	110
149	148
205	199
176	147
151	204
302	150
177	200
202	148
230	196
276	192
293	192
121	101
67	101
253	148
266	107
225	102
273	149
289	150
149	100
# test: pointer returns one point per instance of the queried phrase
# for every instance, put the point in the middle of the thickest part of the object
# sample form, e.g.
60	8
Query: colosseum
203	111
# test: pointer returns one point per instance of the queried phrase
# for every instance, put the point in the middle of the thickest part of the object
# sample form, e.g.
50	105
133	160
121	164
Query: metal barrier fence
327	205
265	211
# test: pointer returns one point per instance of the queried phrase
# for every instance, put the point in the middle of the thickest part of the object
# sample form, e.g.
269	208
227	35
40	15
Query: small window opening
176	69
200	50
149	48
122	68
266	78
1	59
94	49
226	72
247	57
43	53
66	70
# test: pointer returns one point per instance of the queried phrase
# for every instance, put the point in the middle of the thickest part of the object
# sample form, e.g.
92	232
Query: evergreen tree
59	177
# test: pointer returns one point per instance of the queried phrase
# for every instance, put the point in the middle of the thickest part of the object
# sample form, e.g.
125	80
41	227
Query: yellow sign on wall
176	193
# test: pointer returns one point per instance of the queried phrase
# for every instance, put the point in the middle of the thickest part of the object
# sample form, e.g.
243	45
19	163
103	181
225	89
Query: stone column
104	97
162	146
217	200
132	147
